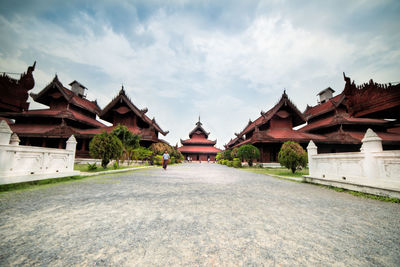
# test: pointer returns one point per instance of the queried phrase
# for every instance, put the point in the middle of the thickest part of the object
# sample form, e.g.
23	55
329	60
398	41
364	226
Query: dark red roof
202	141
68	114
69	96
198	129
341	119
199	149
323	108
140	113
298	117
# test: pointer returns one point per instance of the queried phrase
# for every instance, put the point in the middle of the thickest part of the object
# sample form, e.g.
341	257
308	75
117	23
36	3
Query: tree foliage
227	154
292	155
105	146
160	148
248	153
129	140
142	153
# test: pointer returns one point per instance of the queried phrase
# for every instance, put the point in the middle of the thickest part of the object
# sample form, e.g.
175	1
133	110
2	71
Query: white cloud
184	68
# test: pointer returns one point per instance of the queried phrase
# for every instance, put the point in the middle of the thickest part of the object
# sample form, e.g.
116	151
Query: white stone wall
371	167
28	163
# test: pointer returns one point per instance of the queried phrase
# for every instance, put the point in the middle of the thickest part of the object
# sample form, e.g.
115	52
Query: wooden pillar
44	142
60	144
83	148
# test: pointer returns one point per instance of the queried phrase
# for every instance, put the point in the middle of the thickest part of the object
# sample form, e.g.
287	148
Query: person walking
165	159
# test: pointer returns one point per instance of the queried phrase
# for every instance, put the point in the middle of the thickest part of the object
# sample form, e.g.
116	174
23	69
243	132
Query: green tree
248	153
160	148
105	146
129	140
142	153
234	152
219	157
292	155
227	154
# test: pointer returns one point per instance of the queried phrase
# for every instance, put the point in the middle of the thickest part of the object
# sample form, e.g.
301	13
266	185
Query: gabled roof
199	128
341	119
298	117
69	96
122	97
325	107
55	113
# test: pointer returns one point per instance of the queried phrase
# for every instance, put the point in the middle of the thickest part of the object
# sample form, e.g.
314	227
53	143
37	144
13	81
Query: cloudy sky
223	60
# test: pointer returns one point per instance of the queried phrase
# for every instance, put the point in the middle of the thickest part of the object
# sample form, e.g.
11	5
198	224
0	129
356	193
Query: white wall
28	163
371	170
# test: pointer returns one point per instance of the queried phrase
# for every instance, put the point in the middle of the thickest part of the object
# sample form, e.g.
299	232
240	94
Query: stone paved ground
195	215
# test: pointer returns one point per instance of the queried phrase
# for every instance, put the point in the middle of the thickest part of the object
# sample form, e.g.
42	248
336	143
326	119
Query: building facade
198	147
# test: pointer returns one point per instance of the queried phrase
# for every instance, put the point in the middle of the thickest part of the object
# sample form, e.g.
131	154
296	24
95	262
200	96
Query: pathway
195	214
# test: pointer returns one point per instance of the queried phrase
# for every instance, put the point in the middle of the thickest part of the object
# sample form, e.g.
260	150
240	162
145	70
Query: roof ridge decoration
284	101
200	128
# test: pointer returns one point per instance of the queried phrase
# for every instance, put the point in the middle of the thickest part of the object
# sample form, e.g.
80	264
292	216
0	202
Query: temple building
14	93
272	129
344	118
198	147
122	111
336	124
69	113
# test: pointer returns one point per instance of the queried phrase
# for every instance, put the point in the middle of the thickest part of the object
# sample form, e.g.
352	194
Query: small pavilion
198	147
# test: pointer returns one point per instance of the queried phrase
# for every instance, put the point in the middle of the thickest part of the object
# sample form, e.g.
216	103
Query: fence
28	163
372	170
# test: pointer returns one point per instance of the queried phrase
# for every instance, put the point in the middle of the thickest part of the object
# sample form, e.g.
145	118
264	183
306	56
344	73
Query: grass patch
33	184
277	171
85	168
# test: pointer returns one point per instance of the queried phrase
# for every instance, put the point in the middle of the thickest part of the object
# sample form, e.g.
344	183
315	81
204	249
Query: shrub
219	157
292	155
234	152
248	153
115	165
160	148
229	163
172	160
227	154
237	163
105	146
92	167
158	160
142	153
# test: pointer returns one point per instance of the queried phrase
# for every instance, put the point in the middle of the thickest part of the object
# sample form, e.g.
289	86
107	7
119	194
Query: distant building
198	147
272	129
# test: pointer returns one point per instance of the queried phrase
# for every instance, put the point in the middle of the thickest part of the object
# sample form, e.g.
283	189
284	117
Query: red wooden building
14	93
344	119
198	147
336	124
122	111
70	113
272	129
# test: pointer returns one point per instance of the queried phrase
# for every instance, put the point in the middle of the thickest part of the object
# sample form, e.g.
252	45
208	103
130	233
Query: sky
224	61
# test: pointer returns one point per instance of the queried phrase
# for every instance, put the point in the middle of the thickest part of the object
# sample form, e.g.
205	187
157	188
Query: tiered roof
198	141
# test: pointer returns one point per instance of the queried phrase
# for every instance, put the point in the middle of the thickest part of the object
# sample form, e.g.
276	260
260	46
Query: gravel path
195	215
